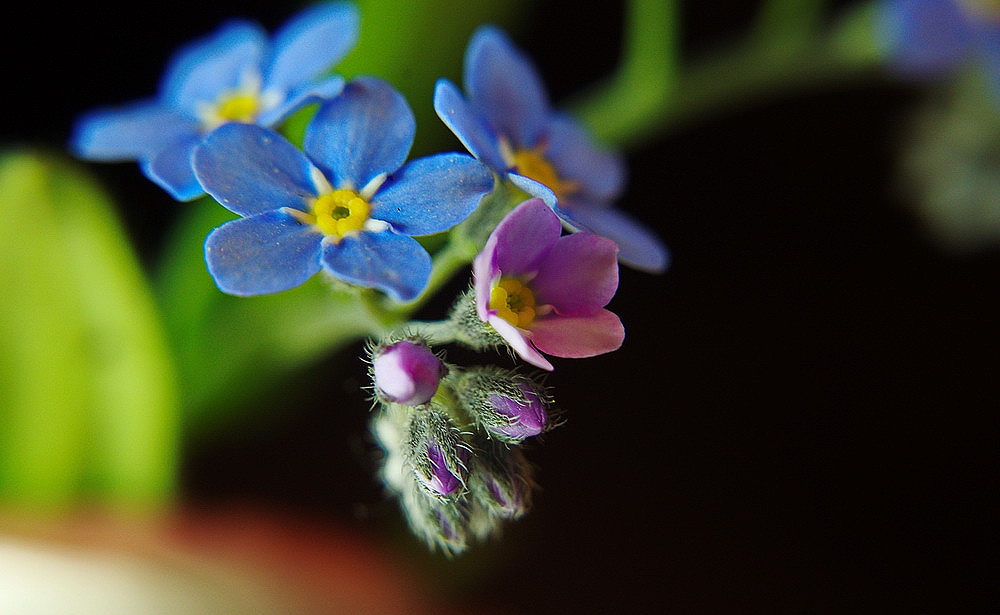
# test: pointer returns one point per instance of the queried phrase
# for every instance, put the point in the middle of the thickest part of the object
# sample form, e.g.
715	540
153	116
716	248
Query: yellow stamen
533	164
514	302
238	107
340	212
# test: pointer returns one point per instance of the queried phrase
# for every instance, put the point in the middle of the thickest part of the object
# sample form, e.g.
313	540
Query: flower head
506	122
347	204
930	37
406	372
542	291
235	75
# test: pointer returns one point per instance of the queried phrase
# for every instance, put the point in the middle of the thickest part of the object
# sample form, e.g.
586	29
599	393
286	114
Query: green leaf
88	405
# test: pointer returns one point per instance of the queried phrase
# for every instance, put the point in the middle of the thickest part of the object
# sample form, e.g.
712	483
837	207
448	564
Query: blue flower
934	37
347	205
507	122
236	74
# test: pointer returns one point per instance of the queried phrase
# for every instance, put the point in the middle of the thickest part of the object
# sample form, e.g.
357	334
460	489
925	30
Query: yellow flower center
243	104
340	212
532	164
988	10
514	302
238	107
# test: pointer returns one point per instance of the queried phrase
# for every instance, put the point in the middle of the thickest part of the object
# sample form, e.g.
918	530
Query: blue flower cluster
350	203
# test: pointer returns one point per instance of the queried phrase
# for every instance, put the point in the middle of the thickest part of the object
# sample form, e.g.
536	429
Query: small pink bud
407	372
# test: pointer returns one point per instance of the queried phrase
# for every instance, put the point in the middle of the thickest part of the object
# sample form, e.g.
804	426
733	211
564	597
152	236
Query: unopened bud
437	453
406	372
504	481
508	405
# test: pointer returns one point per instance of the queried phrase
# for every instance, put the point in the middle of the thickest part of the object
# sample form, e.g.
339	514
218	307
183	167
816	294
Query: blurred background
803	413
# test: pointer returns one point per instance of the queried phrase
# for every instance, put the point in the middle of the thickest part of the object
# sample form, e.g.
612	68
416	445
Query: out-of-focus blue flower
932	37
235	75
347	205
506	122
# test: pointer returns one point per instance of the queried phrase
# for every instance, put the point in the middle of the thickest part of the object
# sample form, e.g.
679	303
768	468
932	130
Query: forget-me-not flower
932	37
347	205
235	75
544	291
506	121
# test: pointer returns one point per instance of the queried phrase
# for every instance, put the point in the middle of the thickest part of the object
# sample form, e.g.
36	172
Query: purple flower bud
502	481
509	500
437	453
442	480
407	372
527	416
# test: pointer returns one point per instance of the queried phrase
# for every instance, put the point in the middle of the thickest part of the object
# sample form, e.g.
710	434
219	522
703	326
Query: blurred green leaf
88	405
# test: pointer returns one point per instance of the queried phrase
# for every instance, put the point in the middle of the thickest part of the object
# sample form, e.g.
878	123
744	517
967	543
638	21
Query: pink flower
545	292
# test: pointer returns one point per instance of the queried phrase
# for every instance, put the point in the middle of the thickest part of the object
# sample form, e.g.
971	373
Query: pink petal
519	342
578	337
579	276
484	273
524	238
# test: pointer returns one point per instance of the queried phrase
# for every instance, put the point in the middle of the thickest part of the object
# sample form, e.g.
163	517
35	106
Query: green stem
637	107
646	78
438	332
787	25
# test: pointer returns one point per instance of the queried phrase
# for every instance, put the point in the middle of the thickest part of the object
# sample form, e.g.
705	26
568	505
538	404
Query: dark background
802	418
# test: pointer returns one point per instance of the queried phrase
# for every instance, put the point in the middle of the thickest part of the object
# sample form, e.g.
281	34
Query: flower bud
437	453
443	479
503	481
525	411
508	405
406	372
442	524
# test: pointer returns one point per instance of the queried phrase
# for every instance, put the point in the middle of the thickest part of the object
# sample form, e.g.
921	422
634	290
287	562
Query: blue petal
263	254
923	37
202	70
470	128
432	194
131	132
638	247
310	44
171	169
296	99
394	264
534	188
503	85
361	134
250	170
600	174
